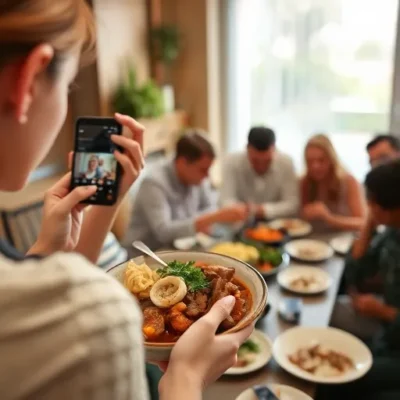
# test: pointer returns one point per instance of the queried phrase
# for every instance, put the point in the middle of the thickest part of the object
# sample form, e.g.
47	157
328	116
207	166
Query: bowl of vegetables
263	234
268	260
271	260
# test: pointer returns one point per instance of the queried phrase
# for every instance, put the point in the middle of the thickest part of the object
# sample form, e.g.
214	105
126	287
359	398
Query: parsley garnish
193	276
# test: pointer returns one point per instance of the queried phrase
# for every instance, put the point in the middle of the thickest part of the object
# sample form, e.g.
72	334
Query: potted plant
138	101
165	44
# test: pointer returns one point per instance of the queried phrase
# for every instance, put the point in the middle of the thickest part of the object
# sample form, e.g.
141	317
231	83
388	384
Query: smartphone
94	162
290	309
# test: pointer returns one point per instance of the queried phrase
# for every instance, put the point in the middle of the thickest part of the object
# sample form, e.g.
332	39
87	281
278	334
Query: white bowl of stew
251	293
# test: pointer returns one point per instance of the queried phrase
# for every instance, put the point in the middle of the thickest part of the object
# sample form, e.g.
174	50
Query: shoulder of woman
350	180
61	274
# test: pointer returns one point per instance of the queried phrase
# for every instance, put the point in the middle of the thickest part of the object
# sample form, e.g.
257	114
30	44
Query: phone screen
94	162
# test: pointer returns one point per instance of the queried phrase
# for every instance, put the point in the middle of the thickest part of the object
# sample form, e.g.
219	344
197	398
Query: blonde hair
323	143
64	24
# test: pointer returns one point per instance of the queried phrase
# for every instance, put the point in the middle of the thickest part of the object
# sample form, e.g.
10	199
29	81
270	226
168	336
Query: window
310	66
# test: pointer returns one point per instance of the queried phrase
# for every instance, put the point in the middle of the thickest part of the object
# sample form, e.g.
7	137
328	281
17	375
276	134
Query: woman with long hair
331	198
68	330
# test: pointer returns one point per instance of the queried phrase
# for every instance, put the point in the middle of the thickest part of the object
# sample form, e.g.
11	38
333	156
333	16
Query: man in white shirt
263	177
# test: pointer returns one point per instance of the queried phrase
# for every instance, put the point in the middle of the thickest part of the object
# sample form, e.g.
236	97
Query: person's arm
356	205
228	190
363	260
207	202
288	205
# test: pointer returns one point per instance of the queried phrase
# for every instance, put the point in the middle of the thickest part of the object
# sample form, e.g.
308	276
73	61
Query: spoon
137	244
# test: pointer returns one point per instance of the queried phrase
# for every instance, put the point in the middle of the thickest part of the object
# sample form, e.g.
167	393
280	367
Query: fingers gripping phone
94	162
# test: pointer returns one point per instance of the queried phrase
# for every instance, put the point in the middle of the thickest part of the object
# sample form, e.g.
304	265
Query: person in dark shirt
372	311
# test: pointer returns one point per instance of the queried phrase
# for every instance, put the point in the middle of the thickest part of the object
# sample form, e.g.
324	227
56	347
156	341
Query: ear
27	74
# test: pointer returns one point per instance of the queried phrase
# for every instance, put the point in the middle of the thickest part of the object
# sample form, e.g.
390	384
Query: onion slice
168	291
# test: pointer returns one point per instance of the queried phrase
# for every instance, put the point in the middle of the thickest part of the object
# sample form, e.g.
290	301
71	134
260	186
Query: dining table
316	312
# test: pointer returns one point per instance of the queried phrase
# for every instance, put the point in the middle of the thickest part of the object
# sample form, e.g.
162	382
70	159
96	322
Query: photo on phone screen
94	162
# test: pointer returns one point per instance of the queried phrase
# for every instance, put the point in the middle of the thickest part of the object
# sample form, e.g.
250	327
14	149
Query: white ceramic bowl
244	272
286	392
299	271
322	251
262	358
294	339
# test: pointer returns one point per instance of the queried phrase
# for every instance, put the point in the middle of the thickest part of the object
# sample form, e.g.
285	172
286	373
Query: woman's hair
309	186
93	157
64	24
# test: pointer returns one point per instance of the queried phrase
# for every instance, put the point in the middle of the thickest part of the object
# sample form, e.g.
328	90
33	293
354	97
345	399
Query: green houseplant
138	101
165	40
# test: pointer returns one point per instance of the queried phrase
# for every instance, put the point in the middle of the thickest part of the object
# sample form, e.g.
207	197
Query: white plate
187	243
322	251
294	339
303	228
262	358
286	276
342	244
286	393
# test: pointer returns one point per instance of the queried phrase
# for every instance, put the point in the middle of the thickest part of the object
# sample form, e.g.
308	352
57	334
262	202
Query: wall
122	38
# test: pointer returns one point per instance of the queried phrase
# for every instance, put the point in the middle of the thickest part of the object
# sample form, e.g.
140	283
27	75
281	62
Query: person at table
371	311
383	148
68	330
262	176
175	198
331	198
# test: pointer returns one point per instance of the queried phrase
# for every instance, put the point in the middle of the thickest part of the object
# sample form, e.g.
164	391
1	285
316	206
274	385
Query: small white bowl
248	275
286	276
295	338
287	392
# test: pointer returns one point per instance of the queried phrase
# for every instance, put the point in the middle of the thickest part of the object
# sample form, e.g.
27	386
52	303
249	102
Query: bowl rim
255	314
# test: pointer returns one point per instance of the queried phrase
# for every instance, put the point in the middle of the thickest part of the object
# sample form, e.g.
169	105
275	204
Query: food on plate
321	361
174	297
247	353
305	283
308	253
237	250
292	224
262	233
269	258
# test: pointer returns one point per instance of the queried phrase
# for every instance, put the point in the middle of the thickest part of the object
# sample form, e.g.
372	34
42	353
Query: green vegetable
249	347
270	255
193	276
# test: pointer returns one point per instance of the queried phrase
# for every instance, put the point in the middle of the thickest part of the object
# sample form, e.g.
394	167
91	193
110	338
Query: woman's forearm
97	223
174	386
345	223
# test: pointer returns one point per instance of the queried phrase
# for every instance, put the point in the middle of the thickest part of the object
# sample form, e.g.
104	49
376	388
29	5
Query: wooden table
316	311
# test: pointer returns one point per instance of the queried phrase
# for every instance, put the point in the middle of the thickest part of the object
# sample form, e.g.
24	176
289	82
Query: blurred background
297	66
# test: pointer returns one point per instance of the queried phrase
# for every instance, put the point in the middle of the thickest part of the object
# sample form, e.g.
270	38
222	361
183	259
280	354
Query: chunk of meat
197	304
178	320
238	312
153	325
217	271
221	288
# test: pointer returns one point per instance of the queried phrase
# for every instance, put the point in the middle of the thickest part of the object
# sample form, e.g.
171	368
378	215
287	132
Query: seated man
262	177
383	148
175	198
371	311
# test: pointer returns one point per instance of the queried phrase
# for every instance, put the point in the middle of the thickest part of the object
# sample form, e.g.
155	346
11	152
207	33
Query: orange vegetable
265	267
264	234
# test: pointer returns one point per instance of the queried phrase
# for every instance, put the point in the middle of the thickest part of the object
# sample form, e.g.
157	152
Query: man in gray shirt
175	198
262	177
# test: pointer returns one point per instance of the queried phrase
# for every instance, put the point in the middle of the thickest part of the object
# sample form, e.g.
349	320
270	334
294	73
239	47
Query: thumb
73	198
220	311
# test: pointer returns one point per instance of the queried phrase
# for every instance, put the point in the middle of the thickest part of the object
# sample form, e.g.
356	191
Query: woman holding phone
67	330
